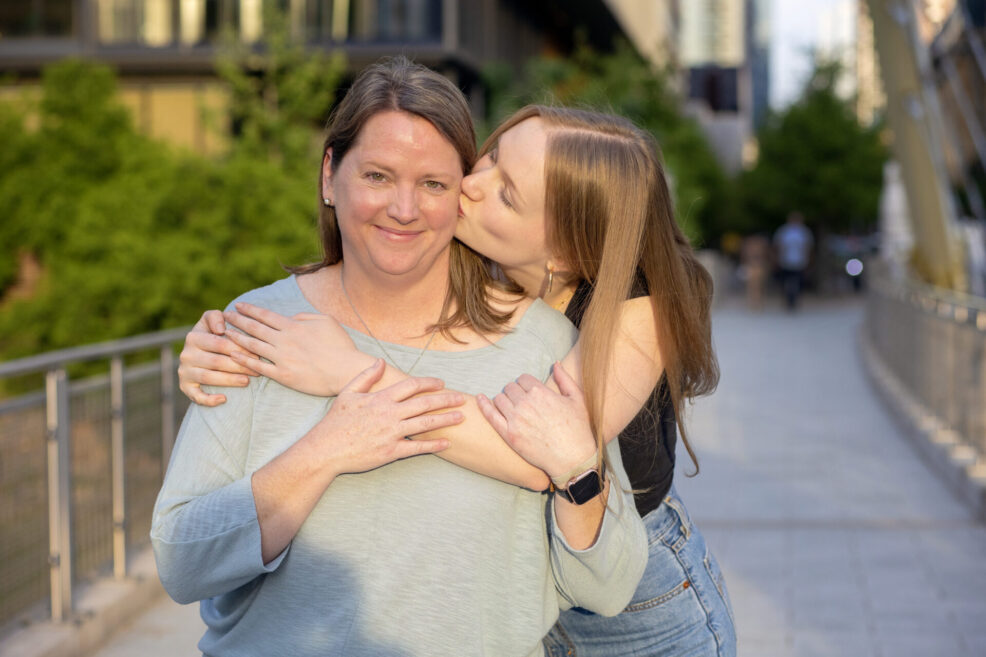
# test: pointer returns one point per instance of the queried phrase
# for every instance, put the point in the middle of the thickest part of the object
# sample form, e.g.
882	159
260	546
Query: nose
403	207
472	186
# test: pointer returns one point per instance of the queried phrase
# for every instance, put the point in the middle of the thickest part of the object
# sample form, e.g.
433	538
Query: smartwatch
583	487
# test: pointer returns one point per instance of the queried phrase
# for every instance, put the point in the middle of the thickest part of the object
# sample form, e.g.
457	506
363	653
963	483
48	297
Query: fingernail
243	380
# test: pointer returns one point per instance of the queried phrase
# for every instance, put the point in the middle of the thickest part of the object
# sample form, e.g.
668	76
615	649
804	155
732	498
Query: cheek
509	229
442	212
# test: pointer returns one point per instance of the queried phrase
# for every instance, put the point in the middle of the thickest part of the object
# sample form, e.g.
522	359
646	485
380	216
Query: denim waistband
669	522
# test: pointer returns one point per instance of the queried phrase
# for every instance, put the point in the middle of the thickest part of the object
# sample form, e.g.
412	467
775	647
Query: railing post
167	405
118	467
59	493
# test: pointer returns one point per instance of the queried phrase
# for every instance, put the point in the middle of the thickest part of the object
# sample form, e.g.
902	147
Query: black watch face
585	488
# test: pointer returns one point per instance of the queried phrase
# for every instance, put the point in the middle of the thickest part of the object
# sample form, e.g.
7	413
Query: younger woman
574	208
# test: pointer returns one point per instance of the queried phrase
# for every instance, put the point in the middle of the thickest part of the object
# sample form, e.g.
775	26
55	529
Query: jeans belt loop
675	504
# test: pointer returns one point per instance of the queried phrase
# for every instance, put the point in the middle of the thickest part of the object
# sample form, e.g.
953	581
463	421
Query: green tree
624	84
132	235
815	157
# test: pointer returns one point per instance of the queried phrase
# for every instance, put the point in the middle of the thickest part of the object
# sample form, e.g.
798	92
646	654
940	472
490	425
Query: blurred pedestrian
756	264
793	243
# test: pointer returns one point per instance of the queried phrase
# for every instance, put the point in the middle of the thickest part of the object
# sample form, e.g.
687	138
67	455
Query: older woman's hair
397	84
610	216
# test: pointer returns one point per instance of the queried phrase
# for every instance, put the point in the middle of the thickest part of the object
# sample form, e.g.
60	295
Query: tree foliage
815	157
133	236
624	84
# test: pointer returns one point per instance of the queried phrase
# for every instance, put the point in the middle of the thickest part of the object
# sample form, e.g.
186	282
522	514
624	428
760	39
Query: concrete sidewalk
835	538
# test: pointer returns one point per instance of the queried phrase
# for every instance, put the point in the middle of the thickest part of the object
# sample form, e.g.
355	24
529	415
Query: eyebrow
390	170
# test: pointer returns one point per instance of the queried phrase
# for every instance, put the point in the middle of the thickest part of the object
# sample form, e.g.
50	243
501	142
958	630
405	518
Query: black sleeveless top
647	443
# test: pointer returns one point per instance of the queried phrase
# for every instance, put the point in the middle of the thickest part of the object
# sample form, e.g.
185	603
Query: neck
532	281
560	296
395	308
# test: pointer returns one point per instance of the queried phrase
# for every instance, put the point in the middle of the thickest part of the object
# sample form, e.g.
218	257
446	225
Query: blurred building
759	33
845	37
652	27
164	50
955	33
870	98
723	49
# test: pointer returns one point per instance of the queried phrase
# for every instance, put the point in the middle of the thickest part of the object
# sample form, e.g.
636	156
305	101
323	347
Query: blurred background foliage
107	233
814	157
624	84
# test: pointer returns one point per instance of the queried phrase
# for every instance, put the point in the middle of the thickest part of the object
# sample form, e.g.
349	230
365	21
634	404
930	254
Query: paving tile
833	643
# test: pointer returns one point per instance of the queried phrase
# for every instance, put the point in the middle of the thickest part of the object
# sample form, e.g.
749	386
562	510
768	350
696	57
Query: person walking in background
793	243
755	260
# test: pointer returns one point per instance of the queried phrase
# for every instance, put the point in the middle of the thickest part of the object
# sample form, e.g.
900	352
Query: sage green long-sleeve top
417	558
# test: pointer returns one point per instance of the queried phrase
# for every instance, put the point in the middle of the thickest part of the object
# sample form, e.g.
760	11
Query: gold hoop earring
546	283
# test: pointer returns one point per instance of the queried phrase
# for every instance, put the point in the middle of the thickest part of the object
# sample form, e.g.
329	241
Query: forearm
580	523
286	490
603	576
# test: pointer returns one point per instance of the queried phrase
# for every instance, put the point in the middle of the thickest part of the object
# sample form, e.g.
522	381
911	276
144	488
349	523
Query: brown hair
397	84
610	217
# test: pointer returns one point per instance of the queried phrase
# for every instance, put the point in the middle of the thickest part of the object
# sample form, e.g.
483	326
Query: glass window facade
36	18
169	23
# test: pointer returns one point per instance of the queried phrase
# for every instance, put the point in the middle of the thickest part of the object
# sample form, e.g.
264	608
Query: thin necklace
563	301
342	282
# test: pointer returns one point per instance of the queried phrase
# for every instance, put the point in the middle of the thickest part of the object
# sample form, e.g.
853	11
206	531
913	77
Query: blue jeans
681	606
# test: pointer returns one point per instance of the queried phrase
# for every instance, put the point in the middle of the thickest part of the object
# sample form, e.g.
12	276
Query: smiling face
502	204
395	194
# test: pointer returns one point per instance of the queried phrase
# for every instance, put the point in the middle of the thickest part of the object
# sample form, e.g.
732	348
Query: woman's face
502	204
396	195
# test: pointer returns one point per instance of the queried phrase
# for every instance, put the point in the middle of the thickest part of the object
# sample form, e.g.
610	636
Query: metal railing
933	341
80	466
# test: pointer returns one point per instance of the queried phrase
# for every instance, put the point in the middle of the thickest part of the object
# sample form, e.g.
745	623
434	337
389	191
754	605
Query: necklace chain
564	300
386	353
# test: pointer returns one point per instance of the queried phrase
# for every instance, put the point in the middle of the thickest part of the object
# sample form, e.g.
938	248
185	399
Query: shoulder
283	296
548	327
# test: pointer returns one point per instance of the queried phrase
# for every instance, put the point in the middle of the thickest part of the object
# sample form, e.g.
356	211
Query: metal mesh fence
935	344
25	572
92	493
23	506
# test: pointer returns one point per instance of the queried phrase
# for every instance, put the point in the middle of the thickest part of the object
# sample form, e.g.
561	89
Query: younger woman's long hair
610	217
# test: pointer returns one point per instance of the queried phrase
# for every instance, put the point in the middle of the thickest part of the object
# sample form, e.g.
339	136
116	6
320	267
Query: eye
435	186
374	176
503	198
493	154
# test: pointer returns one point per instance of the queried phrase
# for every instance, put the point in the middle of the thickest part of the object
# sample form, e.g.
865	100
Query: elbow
172	576
614	609
177	592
